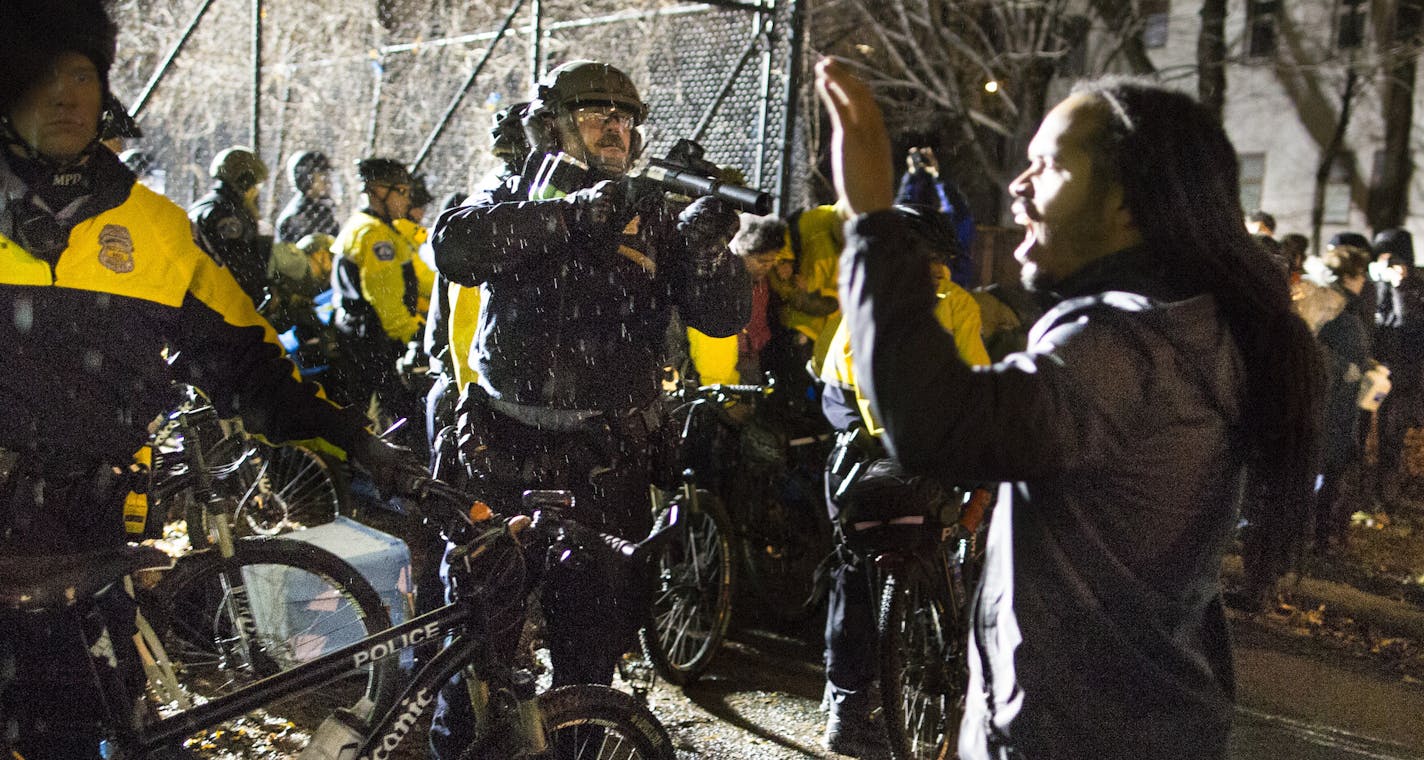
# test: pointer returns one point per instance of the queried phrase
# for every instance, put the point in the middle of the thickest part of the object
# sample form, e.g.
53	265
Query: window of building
1350	24
1253	179
1261	24
1337	189
1154	22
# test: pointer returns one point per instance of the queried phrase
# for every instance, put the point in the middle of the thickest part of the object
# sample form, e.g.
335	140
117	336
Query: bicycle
921	541
274	489
692	601
493	557
776	497
244	609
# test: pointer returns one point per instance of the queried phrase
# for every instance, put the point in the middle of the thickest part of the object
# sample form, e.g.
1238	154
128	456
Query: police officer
110	284
225	219
375	289
579	281
311	210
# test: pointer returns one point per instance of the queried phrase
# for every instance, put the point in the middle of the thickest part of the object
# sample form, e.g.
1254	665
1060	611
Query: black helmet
935	228
574	84
239	168
303	165
383	171
588	83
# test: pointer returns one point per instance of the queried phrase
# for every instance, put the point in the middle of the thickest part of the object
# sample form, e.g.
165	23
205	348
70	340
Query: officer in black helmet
311	210
375	288
225	220
579	281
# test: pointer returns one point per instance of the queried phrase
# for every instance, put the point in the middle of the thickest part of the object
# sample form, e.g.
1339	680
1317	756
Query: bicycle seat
33	583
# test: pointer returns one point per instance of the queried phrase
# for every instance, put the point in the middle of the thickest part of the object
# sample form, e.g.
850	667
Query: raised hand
860	148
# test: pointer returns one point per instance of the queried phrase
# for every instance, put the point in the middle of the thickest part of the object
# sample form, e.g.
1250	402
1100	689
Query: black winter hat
1398	243
33	32
1352	239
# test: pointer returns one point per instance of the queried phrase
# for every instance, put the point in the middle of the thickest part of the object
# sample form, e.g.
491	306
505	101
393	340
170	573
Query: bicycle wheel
922	667
297	602
587	722
287	488
785	540
692	602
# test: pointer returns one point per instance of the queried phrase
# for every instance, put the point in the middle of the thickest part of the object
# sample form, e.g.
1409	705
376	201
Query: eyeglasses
603	115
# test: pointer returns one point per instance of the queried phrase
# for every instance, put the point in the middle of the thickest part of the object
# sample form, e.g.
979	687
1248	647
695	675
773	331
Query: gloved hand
392	468
708	225
599	206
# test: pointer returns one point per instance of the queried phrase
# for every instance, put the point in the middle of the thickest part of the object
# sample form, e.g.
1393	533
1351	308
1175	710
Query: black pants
591	615
50	700
850	615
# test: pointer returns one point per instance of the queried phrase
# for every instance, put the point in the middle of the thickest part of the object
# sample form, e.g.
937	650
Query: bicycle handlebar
550	525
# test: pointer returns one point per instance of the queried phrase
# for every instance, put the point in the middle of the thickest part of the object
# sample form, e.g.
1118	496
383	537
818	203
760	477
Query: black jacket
576	312
1098	630
304	216
224	228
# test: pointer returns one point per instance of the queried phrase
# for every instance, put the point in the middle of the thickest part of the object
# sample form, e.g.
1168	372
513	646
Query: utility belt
637	423
510	442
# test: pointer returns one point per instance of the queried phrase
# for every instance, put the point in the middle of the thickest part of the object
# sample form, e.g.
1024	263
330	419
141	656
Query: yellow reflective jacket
376	279
956	312
85	369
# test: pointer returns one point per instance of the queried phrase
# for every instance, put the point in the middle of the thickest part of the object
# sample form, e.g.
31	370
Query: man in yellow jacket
376	290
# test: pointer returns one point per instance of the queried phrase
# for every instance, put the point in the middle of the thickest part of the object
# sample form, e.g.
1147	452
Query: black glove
708	225
392	468
598	207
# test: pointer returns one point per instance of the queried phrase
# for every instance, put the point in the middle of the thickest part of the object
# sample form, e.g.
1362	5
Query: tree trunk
1389	199
1211	56
1332	149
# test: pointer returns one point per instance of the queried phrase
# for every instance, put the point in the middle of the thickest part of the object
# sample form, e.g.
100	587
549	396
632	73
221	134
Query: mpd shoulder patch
384	251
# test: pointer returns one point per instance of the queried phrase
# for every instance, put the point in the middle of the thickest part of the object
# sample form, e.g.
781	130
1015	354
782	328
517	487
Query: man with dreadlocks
1170	367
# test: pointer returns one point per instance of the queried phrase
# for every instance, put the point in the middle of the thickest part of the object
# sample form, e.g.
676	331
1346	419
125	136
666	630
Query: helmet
574	84
934	228
383	171
140	162
239	168
303	165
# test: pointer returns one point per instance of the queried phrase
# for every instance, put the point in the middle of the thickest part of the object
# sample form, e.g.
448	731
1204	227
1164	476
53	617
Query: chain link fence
359	79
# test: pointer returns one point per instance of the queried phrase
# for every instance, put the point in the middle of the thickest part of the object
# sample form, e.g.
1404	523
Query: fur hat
35	31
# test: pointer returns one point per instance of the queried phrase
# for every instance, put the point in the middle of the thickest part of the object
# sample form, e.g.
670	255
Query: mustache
611	141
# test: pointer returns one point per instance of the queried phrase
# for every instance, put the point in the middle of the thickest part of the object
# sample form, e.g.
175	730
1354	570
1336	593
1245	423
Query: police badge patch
384	250
116	249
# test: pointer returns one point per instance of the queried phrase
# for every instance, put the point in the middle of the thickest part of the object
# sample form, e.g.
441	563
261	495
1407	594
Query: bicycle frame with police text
385	732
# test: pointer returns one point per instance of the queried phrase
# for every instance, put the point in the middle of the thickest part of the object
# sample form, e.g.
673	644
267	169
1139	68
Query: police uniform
228	232
376	294
103	317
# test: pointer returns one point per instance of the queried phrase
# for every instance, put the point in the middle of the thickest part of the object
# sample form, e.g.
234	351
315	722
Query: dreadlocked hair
1179	175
